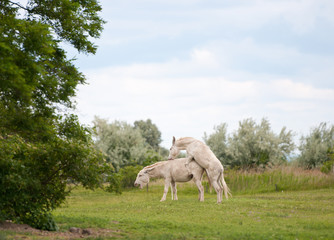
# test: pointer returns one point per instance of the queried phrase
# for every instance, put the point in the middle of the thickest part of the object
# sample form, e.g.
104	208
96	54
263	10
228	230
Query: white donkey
203	155
172	171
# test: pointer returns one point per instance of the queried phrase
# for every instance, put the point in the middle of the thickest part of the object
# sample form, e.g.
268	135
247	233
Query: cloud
204	57
286	88
183	99
190	65
176	18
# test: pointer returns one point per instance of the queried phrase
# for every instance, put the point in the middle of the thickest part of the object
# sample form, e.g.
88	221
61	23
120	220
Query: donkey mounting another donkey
205	158
200	158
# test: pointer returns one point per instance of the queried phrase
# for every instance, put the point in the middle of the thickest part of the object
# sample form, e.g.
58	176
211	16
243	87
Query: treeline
124	144
128	148
253	145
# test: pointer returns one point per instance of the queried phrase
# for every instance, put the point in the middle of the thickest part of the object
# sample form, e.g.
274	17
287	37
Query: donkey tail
227	191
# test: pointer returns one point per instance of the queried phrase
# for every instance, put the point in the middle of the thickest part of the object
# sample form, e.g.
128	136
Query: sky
190	65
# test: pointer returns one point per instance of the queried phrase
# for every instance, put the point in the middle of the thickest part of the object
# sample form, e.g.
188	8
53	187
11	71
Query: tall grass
277	179
284	178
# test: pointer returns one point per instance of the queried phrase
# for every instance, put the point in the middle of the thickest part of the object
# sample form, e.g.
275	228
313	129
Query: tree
124	147
255	145
150	132
316	147
217	141
122	144
42	146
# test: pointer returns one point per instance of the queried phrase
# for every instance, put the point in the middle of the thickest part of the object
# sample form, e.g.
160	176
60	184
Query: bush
41	220
315	148
34	175
115	183
123	179
327	167
128	175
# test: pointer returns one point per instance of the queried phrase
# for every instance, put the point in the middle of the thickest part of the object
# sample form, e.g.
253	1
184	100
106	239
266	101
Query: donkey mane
185	138
184	141
155	165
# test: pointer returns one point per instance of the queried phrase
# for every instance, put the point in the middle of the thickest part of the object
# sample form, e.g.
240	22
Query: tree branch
20	6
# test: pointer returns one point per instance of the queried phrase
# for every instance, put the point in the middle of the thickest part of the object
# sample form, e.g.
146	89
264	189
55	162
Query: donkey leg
171	191
200	190
213	177
167	183
209	180
218	191
174	190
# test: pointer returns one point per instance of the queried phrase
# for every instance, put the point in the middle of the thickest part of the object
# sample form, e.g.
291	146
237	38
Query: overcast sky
189	65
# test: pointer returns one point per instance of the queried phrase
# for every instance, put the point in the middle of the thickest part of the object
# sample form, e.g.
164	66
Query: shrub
327	167
33	176
315	148
128	175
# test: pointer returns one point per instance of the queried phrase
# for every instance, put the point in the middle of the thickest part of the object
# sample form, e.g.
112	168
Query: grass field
261	214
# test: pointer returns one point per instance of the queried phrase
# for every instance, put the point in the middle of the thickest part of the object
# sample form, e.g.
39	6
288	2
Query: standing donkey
173	171
203	155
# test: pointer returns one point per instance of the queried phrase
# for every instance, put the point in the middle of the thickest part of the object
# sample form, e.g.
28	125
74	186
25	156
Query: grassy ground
259	213
140	215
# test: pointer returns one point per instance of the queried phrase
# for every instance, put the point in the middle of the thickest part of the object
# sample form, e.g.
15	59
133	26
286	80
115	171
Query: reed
284	178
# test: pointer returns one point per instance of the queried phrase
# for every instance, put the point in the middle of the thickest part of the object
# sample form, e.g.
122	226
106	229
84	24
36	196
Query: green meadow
265	205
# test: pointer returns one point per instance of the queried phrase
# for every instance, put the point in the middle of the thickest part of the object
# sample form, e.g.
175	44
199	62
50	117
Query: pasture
259	213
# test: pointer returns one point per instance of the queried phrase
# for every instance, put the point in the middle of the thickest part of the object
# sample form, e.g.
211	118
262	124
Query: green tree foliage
252	145
316	147
218	142
122	144
128	175
328	166
34	175
41	146
150	132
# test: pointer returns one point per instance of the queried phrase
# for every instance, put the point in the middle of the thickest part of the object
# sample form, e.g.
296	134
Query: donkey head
142	178
173	151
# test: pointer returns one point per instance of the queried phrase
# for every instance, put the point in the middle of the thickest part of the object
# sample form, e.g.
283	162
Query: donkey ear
173	140
148	170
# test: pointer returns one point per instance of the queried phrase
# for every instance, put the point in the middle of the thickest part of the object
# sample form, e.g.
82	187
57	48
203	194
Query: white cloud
297	90
292	106
177	18
184	104
230	67
204	57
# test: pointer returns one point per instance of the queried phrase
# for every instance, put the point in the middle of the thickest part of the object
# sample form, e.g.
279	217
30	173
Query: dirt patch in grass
24	231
